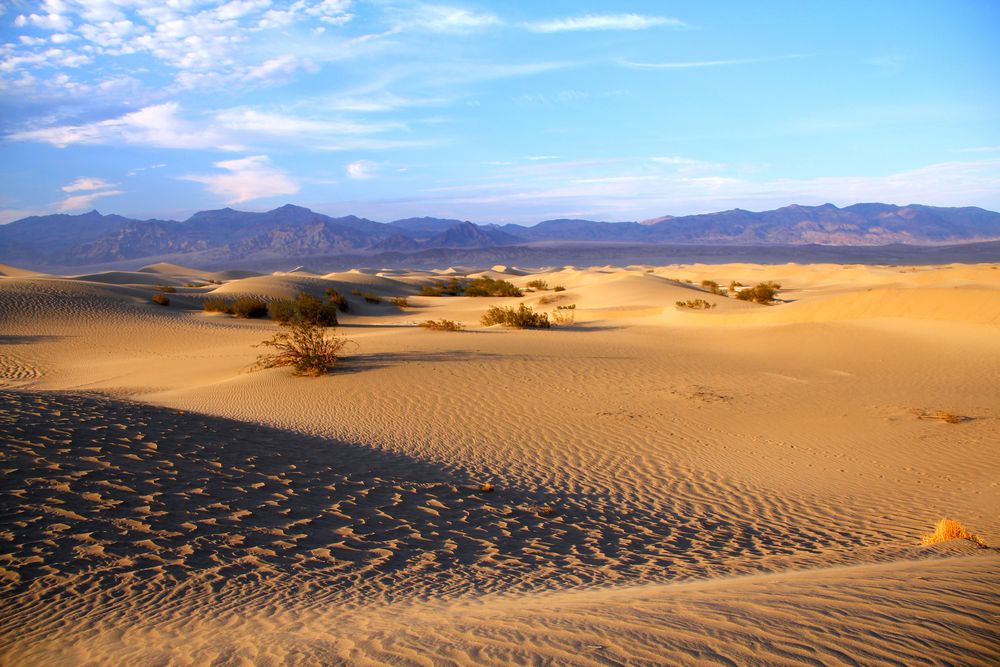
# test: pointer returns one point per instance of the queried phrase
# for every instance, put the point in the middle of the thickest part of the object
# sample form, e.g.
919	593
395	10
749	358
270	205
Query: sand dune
742	485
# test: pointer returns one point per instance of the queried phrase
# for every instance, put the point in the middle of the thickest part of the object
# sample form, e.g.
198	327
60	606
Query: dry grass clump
161	299
305	308
305	347
558	288
216	305
564	316
248	307
521	317
695	304
538	284
949	529
451	287
337	299
487	286
371	297
763	293
441	325
712	286
169	289
942	416
400	302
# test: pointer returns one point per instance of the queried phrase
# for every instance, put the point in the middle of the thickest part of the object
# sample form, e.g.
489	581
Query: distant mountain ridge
291	231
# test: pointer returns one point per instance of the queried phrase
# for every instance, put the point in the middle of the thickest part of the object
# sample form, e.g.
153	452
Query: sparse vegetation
763	293
371	297
441	325
734	286
549	299
281	311
487	286
161	299
521	317
194	284
169	289
451	287
564	316
949	529
248	307
942	416
337	299
711	286
400	302
216	305
558	288
305	308
538	284
695	304
306	347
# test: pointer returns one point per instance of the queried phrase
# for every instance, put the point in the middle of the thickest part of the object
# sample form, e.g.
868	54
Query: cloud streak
604	22
247	178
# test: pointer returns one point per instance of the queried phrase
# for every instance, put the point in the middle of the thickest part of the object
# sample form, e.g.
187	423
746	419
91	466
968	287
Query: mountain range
290	232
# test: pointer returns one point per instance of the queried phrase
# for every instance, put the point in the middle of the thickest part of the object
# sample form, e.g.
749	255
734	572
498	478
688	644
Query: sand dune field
745	484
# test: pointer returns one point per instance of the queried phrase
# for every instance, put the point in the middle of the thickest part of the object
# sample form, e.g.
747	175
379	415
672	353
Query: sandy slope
252	517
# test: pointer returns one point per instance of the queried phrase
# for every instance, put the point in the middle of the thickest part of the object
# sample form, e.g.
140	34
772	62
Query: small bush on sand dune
249	307
487	286
558	288
400	302
307	348
949	529
942	416
337	299
538	284
564	316
521	317
371	297
763	293
311	310
161	299
549	299
450	287
216	305
169	289
695	304
441	325
281	311
711	286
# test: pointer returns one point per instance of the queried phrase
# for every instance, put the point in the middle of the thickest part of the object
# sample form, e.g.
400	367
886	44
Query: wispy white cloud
605	22
247	178
694	64
85	183
361	170
444	19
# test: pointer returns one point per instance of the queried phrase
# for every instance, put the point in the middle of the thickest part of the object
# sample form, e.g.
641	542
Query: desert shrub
161	299
538	284
564	316
169	289
337	299
550	299
310	310
945	416
281	311
441	325
371	297
949	529
249	307
216	305
711	286
521	317
734	286
400	302
305	347
695	304
487	286
761	293
558	288
451	287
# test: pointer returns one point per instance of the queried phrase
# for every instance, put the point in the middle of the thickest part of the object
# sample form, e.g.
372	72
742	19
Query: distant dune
648	484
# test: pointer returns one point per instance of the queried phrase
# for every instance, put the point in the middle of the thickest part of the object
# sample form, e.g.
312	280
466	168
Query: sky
495	111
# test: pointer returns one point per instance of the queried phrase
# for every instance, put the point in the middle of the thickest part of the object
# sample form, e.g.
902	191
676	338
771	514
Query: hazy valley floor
742	485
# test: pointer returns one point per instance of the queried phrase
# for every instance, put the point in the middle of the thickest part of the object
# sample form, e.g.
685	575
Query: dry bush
487	286
452	287
558	288
949	529
248	307
711	286
337	299
400	302
371	297
564	316
763	293
161	299
550	299
216	305
305	347
942	416
441	325
695	304
169	289
521	317
538	284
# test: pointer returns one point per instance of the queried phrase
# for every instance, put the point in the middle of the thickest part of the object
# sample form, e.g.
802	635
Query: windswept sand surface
741	485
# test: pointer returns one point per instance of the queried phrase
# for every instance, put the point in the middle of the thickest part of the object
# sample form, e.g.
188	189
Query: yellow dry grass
949	529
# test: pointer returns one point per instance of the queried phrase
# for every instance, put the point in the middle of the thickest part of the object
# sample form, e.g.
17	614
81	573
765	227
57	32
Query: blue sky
495	111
